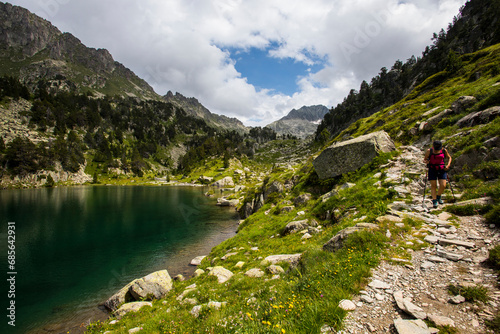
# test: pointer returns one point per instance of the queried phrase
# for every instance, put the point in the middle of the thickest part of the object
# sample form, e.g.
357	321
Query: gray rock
197	260
254	272
274	187
222	274
348	156
302	199
480	117
441	321
119	298
227	202
134	330
411	326
457	300
195	311
275	270
378	284
198	272
456	243
347	305
463	103
225	182
293	259
295	226
131	307
155	285
448	255
337	241
287	209
367	299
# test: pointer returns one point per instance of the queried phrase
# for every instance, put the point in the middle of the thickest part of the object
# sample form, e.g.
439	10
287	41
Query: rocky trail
402	294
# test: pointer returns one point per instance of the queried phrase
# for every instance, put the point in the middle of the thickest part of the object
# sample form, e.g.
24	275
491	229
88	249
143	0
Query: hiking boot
439	200
435	203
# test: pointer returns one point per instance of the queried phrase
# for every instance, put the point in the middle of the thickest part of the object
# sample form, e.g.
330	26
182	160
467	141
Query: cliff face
32	49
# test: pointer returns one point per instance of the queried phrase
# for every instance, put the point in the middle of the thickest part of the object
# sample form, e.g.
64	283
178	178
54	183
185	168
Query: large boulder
350	155
155	285
480	117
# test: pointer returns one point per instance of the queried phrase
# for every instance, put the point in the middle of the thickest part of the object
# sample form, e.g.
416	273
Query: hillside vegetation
304	298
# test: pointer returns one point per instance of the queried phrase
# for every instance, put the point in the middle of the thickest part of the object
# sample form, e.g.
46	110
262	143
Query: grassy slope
306	298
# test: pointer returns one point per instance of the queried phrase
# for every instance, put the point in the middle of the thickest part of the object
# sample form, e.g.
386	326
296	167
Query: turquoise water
76	246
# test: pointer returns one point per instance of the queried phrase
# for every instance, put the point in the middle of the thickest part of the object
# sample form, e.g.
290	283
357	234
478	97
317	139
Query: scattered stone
190	301
197	260
295	226
179	278
377	284
222	274
215	305
293	259
275	270
195	311
456	243
239	264
130	307
449	256
411	326
198	272
302	199
306	236
441	321
367	299
347	305
228	255
255	272
134	330
457	300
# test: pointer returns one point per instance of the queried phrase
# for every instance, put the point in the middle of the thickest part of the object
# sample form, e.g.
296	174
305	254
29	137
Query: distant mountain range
300	123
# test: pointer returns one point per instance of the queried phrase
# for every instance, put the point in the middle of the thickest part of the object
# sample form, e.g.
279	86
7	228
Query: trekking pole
425	188
449	182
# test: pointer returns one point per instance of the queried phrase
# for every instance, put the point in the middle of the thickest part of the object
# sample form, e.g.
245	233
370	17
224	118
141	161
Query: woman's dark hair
437	144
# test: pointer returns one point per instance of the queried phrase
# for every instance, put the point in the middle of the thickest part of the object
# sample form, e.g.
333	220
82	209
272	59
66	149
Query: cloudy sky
253	59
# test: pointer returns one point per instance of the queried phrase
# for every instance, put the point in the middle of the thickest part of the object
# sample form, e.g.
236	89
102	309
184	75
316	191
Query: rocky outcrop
48	54
295	226
480	117
350	155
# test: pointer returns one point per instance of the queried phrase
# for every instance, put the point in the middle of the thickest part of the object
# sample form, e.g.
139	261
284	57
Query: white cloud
177	44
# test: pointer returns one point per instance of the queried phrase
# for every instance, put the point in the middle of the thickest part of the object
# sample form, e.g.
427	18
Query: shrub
493	216
471	294
494	257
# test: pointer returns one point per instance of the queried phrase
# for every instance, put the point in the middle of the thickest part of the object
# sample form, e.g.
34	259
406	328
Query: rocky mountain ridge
193	107
300	123
32	49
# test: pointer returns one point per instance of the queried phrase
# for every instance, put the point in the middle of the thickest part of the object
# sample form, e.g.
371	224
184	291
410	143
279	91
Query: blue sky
253	59
263	71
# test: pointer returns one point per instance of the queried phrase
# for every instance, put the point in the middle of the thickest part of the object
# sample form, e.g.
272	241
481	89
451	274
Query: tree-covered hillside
475	27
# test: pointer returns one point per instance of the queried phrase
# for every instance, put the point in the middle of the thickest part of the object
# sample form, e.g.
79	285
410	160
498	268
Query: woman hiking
435	160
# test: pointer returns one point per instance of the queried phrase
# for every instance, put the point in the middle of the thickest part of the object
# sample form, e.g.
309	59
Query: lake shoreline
70	319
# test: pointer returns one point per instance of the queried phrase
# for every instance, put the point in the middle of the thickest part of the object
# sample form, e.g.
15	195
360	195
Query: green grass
477	293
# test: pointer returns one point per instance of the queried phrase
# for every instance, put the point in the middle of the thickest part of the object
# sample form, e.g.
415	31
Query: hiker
435	160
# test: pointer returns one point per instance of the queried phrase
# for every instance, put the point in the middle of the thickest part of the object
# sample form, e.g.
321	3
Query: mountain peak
32	49
300	123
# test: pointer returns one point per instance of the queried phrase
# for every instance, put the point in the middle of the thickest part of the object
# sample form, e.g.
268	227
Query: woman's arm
448	156
426	158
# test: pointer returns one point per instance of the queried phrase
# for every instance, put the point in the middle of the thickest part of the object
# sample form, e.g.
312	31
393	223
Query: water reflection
76	246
